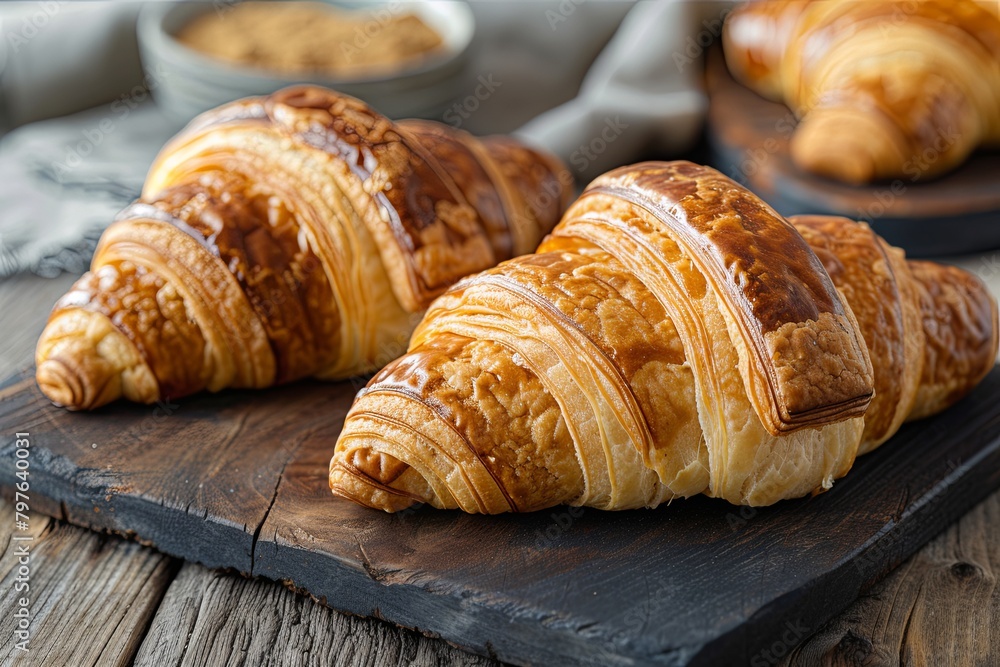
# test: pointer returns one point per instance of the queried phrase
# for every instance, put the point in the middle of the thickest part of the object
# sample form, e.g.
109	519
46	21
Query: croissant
298	234
883	89
672	336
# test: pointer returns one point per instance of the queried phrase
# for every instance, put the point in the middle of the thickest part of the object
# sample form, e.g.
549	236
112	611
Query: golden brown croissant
672	336
883	88
286	236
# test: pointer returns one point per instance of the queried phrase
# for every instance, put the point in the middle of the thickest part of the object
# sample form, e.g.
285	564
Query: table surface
104	600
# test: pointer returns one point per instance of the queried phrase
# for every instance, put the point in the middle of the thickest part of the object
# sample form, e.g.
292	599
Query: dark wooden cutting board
749	137
238	480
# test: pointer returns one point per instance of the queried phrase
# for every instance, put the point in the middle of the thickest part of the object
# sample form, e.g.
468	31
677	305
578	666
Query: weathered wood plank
212	618
595	587
82	585
942	607
196	478
91	596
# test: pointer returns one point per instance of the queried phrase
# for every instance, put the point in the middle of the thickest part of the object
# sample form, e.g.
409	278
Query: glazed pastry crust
875	280
805	358
298	234
960	326
610	368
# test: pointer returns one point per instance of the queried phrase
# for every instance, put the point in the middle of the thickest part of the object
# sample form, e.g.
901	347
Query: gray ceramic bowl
186	82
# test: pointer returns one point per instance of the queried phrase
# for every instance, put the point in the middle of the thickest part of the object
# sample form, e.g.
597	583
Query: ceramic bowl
186	82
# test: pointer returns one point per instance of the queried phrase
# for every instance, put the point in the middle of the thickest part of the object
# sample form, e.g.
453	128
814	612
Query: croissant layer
293	235
672	336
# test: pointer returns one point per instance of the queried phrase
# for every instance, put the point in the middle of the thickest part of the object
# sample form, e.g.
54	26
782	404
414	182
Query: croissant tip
347	486
62	385
844	145
852	166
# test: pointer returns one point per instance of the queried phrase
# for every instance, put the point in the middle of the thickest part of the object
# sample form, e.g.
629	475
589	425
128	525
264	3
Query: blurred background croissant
876	84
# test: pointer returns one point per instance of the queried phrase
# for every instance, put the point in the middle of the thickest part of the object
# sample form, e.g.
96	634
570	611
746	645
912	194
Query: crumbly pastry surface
883	88
672	336
298	234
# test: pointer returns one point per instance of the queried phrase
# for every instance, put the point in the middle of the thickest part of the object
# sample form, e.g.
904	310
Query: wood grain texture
91	596
212	618
749	139
585	587
196	478
941	607
82	584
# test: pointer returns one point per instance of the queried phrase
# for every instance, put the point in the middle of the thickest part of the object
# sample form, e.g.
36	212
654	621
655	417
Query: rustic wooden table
104	600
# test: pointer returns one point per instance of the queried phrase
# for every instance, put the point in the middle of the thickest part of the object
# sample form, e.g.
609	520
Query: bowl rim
151	29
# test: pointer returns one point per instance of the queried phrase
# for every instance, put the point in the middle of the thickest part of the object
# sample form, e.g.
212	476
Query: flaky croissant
672	336
883	88
293	235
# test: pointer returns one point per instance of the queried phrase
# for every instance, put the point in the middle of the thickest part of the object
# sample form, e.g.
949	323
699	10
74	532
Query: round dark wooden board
749	140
